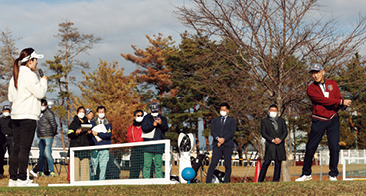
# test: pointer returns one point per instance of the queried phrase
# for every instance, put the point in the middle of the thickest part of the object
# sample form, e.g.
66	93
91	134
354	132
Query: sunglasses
139	116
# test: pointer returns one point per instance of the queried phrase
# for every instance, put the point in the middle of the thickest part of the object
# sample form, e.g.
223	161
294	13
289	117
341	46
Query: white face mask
273	114
223	113
43	108
139	119
155	114
6	114
81	115
101	115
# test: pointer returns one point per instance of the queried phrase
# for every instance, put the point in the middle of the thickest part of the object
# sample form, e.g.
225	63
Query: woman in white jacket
25	92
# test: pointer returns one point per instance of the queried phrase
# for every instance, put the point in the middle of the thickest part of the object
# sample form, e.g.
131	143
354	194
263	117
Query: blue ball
188	173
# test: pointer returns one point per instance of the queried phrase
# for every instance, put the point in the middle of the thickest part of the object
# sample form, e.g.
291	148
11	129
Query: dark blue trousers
317	131
276	173
217	154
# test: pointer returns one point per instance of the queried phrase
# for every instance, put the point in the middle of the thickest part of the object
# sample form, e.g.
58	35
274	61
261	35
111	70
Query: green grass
282	188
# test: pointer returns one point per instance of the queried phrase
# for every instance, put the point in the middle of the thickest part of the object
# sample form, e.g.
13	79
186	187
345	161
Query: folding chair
63	161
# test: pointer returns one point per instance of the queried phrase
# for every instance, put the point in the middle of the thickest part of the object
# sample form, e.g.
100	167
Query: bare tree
8	53
269	34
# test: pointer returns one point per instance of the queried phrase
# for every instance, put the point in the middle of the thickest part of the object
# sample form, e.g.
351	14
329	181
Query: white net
127	163
354	164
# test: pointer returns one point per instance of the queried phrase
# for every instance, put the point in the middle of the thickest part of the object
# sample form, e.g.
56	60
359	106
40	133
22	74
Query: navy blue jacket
227	133
106	137
147	126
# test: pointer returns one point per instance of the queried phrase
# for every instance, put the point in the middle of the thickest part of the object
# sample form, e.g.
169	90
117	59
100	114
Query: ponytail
16	72
24	53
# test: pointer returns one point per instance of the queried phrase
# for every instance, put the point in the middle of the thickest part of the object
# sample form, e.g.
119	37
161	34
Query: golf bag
185	146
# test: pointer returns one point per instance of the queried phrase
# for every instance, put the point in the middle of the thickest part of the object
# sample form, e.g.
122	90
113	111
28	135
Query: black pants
137	162
217	154
46	170
2	153
9	144
23	134
276	173
317	131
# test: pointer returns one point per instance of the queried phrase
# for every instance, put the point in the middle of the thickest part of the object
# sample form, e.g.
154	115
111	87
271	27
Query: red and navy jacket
325	108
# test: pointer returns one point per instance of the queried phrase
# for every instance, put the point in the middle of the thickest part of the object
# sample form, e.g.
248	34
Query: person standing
78	137
100	157
46	131
326	100
89	114
222	130
25	91
6	136
274	131
134	133
156	125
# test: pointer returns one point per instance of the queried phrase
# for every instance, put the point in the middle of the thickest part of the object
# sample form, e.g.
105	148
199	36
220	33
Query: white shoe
304	178
12	183
26	183
33	173
331	178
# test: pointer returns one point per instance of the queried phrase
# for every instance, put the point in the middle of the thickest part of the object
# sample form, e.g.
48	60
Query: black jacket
5	125
78	139
47	126
227	133
269	133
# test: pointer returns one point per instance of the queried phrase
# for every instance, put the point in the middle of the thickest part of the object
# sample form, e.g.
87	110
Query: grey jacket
47	126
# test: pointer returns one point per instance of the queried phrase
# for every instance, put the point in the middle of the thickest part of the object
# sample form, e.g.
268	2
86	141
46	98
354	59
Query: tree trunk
207	141
62	134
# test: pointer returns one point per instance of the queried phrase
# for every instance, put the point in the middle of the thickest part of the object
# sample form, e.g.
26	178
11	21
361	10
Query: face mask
43	108
101	115
139	119
273	114
81	115
155	114
6	114
223	113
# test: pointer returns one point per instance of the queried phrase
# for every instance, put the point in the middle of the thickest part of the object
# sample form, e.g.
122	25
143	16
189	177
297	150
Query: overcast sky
119	23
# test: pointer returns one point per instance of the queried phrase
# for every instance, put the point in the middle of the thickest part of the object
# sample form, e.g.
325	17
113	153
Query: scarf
274	123
136	124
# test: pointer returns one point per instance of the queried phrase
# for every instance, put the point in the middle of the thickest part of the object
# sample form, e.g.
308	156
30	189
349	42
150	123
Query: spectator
78	137
157	125
6	136
101	156
134	135
89	114
46	131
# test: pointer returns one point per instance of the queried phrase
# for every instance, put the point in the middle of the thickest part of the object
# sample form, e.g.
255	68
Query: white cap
33	55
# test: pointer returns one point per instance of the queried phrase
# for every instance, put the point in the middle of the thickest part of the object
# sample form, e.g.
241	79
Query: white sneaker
331	178
12	183
33	173
304	178
26	183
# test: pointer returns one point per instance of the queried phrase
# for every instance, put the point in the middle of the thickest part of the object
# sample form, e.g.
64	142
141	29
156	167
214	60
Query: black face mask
136	124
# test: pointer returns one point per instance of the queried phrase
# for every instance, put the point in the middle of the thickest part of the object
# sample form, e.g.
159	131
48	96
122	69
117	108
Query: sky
120	23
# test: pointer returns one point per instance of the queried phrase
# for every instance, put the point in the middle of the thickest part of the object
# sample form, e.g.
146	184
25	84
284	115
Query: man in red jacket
326	99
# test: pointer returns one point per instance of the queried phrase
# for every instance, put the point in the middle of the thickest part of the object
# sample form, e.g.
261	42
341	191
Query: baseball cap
33	55
88	110
316	67
154	107
6	107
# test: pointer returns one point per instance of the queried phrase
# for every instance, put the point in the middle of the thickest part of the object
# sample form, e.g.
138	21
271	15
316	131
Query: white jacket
26	103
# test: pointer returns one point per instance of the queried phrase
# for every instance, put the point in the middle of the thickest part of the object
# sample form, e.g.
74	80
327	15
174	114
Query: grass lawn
314	187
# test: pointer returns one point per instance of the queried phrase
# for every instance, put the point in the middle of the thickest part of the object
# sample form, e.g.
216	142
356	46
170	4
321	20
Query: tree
72	43
8	54
152	66
108	86
268	34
